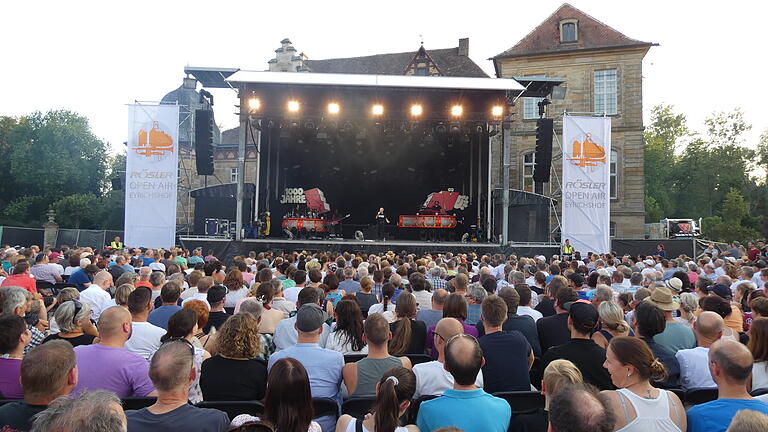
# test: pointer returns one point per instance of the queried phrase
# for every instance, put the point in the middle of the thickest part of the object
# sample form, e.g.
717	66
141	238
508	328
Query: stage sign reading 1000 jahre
427	221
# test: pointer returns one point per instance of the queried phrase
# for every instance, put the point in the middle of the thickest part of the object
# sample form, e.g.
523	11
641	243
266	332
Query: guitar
336	221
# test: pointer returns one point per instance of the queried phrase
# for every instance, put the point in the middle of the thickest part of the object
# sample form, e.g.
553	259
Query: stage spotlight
497	111
416	110
378	110
333	108
254	104
457	110
293	106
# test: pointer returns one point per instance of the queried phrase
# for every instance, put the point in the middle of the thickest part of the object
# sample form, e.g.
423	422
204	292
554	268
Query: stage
226	249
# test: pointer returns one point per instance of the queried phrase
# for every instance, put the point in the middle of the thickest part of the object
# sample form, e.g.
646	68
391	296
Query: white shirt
187	293
233	297
58	268
433	379
145	339
379	308
335	342
292	294
531	312
759	375
97	299
423	299
530	281
157	266
198	296
694	368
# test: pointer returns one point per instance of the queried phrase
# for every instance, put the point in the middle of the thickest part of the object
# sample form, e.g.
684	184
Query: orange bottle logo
587	153
155	142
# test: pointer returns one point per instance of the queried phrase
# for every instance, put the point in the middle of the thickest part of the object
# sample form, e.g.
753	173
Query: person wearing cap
581	350
323	366
53	261
694	363
649	266
676	336
215	298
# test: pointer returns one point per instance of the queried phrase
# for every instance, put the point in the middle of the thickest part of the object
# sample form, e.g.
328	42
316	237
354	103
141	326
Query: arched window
569	30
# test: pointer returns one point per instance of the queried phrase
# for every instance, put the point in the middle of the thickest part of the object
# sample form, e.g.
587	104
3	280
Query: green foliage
662	138
18	211
730	226
653	211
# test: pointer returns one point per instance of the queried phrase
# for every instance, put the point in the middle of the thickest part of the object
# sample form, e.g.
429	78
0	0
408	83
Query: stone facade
578	66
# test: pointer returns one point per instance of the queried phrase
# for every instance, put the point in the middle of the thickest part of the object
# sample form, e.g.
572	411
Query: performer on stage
336	222
381	219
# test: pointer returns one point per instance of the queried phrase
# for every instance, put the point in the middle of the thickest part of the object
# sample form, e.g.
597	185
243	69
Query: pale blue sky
95	57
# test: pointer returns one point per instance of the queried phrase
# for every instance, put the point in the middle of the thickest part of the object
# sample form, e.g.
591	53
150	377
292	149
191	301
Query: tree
762	154
662	137
730	226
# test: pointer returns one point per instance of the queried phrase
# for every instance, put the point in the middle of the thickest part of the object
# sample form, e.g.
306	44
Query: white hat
648	262
731	259
540	257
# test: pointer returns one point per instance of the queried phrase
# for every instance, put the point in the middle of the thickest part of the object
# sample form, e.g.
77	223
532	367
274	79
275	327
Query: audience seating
522	402
137	403
679	392
353	358
358	407
325	407
697	396
413	411
759	392
235	408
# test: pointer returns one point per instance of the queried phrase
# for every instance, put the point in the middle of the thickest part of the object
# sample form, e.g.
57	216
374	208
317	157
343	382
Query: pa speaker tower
543	156
204	141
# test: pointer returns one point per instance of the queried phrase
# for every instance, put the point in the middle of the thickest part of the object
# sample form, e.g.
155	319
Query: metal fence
17	236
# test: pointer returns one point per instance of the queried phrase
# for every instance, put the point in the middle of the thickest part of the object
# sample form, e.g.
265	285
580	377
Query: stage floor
226	249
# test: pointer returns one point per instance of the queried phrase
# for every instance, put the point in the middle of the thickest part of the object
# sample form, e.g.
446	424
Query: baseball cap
723	291
216	293
54	256
309	318
583	314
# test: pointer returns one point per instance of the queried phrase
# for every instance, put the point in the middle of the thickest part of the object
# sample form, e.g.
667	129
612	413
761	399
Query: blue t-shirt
79	277
716	416
160	316
468	410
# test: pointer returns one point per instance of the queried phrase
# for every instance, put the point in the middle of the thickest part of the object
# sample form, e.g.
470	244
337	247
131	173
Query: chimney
190	83
464	47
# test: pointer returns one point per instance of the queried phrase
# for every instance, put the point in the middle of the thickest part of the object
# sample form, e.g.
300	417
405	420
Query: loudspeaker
204	141
117	183
543	156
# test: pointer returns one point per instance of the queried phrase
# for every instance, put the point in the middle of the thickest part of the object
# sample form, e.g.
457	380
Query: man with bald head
730	364
579	407
172	371
108	365
431	377
694	362
464	406
96	294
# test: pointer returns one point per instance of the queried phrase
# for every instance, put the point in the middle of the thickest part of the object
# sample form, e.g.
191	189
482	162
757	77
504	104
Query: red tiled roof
592	34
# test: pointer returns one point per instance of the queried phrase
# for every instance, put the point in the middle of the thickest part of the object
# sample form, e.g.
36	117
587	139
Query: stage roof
211	77
375	81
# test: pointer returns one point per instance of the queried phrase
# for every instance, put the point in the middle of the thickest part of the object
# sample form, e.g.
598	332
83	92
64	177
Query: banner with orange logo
586	183
151	175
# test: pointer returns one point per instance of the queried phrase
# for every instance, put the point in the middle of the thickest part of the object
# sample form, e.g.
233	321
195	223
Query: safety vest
118	245
567	249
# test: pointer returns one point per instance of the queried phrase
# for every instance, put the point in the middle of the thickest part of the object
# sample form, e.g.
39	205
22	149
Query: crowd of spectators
438	340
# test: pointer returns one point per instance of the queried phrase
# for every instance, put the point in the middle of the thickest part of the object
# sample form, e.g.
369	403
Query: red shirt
23	281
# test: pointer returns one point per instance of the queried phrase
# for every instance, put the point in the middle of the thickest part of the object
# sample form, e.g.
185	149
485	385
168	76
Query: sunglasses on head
78	308
182	339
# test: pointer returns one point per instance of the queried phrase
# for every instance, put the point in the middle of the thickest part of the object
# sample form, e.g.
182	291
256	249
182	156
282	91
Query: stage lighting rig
457	111
294	106
333	108
254	104
416	110
497	111
377	110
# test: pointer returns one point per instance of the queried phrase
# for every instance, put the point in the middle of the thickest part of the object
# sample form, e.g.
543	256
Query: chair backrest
137	403
358	407
235	408
325	407
697	396
759	392
679	392
229	310
353	358
418	358
522	401
413	411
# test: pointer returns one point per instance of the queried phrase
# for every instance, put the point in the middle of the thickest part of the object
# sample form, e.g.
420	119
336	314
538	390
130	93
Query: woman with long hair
758	345
182	325
348	336
288	402
235	286
202	340
265	292
639	406
386	305
455	306
408	335
613	324
393	398
235	373
332	294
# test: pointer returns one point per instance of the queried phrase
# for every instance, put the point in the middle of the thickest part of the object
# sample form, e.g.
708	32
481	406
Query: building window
529	162
421	71
606	92
568	31
614	174
531	105
612	229
233	175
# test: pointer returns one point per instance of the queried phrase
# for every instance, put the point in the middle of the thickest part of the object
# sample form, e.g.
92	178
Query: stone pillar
51	230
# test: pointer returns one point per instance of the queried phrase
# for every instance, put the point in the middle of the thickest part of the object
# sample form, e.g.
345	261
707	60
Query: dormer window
569	31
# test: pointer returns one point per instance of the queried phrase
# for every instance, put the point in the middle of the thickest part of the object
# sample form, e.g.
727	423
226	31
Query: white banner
586	183
151	175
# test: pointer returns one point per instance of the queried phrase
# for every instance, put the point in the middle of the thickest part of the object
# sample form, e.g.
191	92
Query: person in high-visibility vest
567	249
116	243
